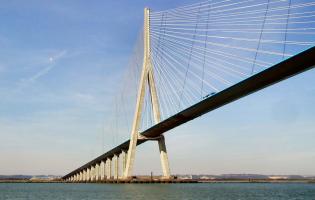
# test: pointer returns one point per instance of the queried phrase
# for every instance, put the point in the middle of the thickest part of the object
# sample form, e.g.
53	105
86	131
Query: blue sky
60	62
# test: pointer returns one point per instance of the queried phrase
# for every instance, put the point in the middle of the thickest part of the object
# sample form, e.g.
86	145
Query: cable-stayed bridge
193	59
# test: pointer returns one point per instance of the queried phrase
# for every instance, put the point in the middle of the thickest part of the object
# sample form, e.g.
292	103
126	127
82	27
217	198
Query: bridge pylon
146	79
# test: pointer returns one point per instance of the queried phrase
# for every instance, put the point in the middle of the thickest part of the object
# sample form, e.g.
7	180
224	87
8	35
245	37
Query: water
218	191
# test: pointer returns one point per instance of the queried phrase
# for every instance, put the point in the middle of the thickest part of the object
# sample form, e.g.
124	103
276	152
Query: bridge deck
281	71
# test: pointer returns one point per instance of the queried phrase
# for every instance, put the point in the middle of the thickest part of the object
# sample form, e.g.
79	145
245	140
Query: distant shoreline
172	181
258	181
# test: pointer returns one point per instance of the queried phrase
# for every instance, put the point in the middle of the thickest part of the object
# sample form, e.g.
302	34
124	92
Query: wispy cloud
50	64
47	64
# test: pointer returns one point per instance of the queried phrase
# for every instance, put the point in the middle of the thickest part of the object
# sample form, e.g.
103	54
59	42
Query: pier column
102	170
92	173
164	158
88	175
84	175
115	167
81	176
96	171
123	162
108	168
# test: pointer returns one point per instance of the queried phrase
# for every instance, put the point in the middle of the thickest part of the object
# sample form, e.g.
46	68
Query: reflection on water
52	191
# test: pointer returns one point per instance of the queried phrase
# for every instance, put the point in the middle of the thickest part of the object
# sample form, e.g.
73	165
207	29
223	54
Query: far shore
168	181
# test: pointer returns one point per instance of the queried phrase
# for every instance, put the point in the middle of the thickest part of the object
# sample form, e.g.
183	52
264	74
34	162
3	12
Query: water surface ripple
217	191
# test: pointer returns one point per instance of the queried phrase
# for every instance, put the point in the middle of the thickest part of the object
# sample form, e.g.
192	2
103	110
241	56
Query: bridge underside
281	71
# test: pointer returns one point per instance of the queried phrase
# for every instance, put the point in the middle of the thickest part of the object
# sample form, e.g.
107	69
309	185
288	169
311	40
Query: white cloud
49	66
52	61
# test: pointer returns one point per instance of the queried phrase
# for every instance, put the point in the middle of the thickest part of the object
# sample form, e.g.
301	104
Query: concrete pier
92	173
115	167
102	166
97	172
84	175
108	168
88	174
81	176
123	162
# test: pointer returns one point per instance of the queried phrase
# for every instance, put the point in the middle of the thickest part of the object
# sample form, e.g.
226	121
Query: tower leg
140	97
130	156
164	158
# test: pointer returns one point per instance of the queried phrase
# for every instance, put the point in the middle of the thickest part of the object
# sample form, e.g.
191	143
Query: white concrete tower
146	79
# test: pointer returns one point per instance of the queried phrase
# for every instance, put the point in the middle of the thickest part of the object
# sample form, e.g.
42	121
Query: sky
60	65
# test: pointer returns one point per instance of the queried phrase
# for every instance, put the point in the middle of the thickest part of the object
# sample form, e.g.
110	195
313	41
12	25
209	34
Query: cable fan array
201	49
